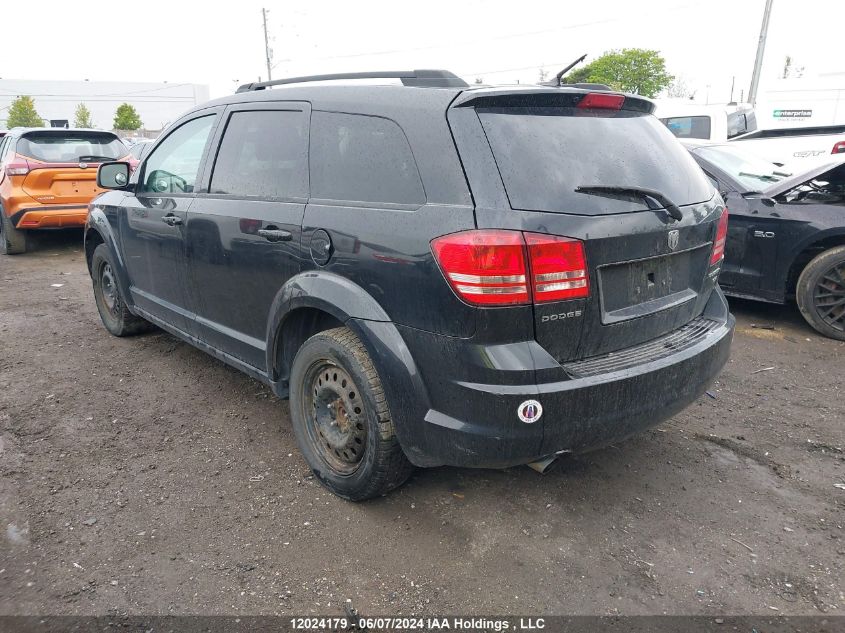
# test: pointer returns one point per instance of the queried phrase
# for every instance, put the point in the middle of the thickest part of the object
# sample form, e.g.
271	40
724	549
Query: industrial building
56	101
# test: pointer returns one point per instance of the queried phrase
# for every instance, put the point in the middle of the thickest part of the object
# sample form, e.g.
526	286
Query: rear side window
264	153
363	159
543	154
71	147
688	126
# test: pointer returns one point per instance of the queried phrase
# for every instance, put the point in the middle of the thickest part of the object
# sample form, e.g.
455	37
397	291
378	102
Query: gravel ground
141	476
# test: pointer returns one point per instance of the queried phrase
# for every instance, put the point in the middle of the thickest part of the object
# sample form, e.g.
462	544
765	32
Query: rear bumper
475	424
50	216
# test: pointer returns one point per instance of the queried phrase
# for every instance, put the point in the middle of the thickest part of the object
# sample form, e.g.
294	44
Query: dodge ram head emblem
674	236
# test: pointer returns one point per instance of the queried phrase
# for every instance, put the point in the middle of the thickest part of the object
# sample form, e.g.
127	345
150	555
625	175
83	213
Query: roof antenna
558	78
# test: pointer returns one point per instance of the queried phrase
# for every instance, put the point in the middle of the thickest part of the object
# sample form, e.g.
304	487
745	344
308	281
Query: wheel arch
98	231
316	301
804	253
308	303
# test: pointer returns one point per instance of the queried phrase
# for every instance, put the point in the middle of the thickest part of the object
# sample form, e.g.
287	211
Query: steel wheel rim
829	297
335	417
108	287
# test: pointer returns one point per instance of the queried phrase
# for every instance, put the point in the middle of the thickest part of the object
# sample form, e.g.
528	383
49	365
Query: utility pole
761	48
267	52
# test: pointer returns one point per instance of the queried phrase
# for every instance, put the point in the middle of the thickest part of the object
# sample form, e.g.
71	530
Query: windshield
543	154
753	172
71	147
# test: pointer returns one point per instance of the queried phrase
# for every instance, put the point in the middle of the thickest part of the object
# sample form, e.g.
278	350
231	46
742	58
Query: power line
465	43
115	94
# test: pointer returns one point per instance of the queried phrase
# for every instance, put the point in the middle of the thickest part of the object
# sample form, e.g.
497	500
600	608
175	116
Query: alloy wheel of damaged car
820	293
341	418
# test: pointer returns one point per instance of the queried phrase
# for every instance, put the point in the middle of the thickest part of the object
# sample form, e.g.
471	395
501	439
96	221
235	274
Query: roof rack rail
426	78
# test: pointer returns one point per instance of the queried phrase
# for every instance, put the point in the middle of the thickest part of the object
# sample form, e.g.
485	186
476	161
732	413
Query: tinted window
263	153
71	147
688	126
362	158
543	154
173	166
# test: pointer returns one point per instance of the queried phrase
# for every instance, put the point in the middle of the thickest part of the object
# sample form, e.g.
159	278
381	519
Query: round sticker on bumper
530	411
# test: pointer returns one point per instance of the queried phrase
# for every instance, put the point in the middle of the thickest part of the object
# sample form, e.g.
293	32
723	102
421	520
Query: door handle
171	220
275	235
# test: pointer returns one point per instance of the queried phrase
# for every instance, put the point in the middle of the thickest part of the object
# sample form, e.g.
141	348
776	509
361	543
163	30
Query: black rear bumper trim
18	215
677	340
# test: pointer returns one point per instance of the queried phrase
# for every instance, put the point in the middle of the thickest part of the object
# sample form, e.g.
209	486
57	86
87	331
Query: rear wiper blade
634	192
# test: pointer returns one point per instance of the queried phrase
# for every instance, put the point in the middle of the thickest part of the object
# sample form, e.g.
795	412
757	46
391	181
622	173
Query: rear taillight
499	268
839	148
558	267
484	267
721	237
20	168
602	100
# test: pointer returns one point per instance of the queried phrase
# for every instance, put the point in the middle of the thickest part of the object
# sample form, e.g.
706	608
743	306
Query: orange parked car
47	178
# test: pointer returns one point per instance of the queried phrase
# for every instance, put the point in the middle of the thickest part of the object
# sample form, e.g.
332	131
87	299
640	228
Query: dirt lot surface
141	476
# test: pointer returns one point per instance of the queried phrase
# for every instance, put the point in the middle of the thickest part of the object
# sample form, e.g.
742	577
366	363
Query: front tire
13	241
341	419
820	293
109	298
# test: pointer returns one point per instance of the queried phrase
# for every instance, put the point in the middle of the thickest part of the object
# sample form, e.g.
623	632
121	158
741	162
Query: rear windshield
543	154
71	147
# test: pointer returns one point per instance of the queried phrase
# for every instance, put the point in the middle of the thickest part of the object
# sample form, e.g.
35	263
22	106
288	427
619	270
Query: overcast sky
220	44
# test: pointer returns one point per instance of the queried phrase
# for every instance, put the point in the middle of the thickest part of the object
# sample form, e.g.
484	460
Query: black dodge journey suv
432	273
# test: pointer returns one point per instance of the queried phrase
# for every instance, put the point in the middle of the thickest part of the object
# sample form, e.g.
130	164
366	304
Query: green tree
82	116
126	118
22	113
635	70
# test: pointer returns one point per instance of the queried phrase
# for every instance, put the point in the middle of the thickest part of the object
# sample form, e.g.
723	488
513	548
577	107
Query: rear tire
13	241
820	293
341	418
109	297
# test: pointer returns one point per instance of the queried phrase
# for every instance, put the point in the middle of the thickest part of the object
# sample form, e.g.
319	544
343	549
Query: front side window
264	153
363	159
175	163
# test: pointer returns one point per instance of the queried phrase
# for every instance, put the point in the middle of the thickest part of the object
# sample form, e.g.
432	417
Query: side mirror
113	175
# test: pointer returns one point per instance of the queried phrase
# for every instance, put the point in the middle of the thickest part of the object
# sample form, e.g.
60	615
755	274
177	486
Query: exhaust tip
543	466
